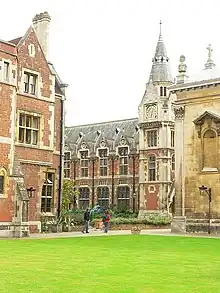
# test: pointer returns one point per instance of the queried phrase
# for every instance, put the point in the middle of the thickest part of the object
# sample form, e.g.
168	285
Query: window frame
28	127
3	175
123	160
172	138
152	168
152	138
67	165
101	192
84	163
123	196
83	197
6	73
48	198
103	162
30	82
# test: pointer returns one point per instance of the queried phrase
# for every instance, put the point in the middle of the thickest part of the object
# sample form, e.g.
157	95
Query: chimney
41	23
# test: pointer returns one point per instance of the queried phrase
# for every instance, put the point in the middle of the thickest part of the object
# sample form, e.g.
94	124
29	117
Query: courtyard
119	263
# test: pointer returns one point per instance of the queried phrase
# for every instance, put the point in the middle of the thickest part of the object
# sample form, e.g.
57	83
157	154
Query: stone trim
148	125
40	163
179	112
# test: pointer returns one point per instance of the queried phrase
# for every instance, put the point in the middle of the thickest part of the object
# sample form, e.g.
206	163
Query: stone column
178	223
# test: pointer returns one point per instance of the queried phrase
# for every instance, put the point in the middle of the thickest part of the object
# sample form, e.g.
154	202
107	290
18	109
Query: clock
151	112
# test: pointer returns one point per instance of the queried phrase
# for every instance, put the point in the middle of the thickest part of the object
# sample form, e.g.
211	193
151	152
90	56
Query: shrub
123	214
155	220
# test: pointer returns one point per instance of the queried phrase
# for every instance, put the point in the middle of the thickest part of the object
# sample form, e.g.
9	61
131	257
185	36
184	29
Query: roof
15	41
206	74
110	132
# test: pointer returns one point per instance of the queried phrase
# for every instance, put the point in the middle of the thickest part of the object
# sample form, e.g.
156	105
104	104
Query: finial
160	27
209	48
209	64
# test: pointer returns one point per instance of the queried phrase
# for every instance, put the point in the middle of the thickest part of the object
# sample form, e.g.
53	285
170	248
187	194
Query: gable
207	115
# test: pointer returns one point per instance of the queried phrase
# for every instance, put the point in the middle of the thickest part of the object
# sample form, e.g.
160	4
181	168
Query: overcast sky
103	48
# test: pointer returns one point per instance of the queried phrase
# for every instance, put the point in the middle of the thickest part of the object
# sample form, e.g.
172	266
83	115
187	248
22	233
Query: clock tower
156	137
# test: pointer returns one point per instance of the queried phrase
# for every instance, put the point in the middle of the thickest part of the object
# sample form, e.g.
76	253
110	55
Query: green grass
122	264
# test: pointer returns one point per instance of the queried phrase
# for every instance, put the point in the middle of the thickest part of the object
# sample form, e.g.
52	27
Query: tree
69	195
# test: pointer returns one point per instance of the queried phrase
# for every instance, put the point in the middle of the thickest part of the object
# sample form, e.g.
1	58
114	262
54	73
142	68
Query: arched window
123	160
83	197
2	181
152	168
103	196
209	149
173	162
123	196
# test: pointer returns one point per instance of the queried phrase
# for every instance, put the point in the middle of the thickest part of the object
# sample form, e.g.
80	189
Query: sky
103	48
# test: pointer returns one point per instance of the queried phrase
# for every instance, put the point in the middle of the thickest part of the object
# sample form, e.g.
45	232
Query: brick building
128	163
31	131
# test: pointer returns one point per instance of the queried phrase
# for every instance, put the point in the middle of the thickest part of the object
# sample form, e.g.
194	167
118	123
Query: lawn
122	264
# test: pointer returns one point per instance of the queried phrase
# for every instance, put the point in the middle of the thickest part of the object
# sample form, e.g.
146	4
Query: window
123	160
83	198
164	91
210	150
84	163
172	138
2	181
173	162
47	193
103	196
103	162
28	129
67	165
6	71
152	138
30	82
152	168
123	197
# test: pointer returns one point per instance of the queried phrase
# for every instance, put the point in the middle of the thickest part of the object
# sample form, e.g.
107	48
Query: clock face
151	112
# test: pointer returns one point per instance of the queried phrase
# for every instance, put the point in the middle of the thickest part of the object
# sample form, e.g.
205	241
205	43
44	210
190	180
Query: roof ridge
101	123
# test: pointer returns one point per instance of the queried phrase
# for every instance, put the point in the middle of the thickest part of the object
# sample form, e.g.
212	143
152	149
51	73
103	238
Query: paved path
161	232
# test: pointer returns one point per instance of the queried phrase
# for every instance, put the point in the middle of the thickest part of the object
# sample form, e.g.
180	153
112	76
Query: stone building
129	163
31	131
197	120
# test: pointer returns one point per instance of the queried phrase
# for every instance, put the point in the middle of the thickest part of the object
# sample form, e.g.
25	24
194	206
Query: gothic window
103	196
209	149
123	197
123	160
2	181
47	195
152	168
173	162
83	197
84	163
67	158
152	138
172	138
103	162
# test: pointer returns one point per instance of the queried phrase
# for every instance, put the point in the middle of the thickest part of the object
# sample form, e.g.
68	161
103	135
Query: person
86	221
106	219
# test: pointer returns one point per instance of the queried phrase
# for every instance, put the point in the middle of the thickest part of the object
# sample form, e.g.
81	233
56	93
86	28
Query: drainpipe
61	155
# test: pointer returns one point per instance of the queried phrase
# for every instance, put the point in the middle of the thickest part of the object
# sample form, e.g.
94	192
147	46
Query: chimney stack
41	23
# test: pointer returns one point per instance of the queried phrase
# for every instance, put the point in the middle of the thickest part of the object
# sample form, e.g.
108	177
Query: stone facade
139	153
197	120
31	95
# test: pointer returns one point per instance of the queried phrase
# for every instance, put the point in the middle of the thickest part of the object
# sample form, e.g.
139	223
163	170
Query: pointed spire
160	35
209	64
160	71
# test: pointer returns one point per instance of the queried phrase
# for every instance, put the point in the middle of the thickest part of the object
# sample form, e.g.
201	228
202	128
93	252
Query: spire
209	64
160	71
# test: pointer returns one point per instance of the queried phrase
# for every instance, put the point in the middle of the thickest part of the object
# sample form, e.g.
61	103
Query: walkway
161	232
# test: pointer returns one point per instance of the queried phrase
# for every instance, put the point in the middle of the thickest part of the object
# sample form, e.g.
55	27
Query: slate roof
110	132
